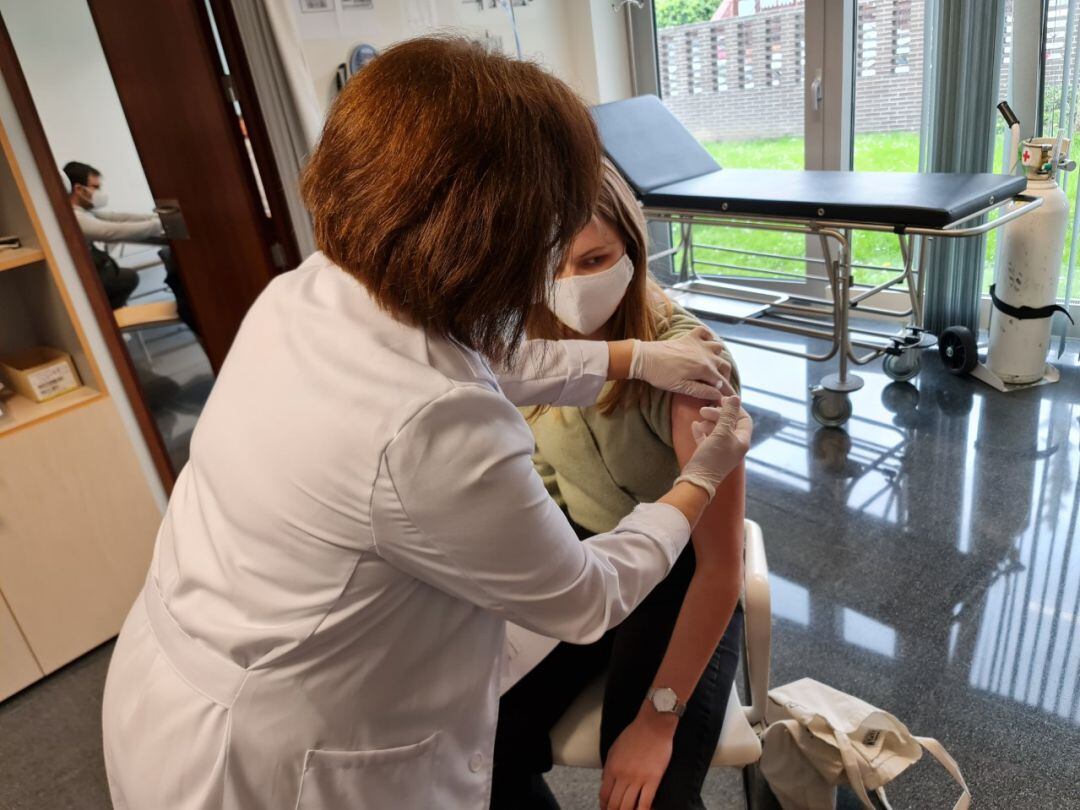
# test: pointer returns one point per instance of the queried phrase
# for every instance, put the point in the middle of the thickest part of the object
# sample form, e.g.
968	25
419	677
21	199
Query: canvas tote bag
817	737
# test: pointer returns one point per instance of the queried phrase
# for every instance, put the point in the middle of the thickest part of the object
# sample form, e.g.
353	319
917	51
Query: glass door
734	73
763	84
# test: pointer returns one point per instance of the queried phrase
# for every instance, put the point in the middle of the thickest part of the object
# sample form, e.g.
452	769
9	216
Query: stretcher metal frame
827	319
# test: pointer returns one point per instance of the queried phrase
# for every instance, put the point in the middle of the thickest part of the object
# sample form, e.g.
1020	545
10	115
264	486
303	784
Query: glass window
733	74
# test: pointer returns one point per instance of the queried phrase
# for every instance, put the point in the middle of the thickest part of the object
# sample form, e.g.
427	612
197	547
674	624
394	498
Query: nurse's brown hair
450	182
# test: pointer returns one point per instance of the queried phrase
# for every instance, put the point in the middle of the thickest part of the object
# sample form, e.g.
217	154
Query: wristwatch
665	701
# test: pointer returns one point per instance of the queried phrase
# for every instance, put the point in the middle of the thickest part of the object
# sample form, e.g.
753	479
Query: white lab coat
322	624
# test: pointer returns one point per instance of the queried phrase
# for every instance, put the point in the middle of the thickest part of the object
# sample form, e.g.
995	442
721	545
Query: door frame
242	85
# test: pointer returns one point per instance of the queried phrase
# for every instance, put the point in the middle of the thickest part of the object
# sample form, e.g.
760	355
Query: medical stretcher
678	181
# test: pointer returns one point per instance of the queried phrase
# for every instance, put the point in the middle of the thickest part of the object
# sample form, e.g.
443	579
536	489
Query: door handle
172	219
816	94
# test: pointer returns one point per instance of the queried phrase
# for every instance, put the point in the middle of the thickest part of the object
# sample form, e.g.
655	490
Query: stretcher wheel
901	367
958	349
831	409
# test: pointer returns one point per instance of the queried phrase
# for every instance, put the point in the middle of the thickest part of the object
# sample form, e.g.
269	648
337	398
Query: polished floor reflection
926	559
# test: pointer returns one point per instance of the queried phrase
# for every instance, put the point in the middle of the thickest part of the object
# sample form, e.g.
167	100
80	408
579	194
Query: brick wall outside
742	78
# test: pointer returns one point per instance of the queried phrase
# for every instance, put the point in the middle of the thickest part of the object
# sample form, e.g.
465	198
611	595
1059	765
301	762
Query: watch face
665	700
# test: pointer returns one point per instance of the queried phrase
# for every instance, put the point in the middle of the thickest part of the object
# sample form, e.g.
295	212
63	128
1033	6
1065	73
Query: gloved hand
693	364
723	438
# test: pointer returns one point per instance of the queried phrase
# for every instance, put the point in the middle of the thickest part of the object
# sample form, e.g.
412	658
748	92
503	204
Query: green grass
874	152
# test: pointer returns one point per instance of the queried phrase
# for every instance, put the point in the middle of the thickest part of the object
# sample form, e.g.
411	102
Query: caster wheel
831	409
901	367
958	350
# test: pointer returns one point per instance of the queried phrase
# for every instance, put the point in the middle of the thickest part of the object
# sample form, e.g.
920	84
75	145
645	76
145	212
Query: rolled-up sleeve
458	505
556	372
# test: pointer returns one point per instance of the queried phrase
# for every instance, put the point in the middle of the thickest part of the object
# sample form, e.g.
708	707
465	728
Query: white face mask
99	199
584	303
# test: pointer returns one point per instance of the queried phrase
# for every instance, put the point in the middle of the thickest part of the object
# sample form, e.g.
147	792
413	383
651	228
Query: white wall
73	91
583	42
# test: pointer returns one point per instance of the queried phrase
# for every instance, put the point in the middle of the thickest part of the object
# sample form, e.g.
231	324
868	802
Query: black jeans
631	653
119	282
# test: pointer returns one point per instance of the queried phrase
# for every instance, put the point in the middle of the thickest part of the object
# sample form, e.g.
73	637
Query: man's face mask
94	196
585	303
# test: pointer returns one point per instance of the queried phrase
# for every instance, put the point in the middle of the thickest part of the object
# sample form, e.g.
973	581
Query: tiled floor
925	559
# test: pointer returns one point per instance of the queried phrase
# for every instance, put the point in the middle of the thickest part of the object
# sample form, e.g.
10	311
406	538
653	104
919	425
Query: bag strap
851	767
938	752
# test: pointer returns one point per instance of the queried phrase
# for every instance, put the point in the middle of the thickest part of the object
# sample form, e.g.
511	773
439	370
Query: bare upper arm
684	412
718	537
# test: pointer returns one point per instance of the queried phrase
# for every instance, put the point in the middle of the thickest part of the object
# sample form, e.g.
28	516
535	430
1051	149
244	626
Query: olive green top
600	467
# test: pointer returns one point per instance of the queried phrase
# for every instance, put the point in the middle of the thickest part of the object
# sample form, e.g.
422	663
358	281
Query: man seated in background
88	200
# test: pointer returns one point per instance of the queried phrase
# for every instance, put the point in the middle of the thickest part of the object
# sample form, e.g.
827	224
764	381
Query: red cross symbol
1027	155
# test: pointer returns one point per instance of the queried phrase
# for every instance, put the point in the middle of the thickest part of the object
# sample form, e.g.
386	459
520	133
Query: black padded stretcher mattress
669	169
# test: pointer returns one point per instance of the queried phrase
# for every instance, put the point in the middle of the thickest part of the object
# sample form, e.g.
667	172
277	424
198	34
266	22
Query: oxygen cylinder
1028	268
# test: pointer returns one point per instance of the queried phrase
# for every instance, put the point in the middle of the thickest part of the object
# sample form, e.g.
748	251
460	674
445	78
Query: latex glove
723	439
693	364
635	765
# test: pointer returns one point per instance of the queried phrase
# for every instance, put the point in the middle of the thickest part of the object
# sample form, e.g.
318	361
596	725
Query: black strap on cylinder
1028	313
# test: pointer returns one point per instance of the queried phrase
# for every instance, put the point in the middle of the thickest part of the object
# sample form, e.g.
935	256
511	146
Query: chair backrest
649	145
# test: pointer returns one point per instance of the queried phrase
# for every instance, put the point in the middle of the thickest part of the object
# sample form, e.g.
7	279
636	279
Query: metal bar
862	360
723	277
684	269
817	358
663	254
766	270
791	225
862	344
784	256
908	255
798	296
688	247
842	274
762	253
885	285
924	251
952	231
859	330
803	309
888	313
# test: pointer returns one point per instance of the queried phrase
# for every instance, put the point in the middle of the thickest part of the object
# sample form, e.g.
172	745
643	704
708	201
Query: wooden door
184	122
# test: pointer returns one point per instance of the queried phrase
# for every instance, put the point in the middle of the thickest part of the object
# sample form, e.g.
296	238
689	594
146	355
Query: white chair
575	739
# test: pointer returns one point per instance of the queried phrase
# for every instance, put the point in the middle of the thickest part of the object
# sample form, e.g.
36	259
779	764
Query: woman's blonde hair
644	309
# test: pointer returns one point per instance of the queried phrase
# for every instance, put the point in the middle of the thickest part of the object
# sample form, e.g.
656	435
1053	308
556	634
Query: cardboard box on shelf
40	373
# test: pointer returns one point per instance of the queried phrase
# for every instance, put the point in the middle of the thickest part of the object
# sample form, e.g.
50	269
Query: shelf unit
77	515
10	258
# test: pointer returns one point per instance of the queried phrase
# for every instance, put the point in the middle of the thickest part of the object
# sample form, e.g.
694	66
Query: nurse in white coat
323	620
